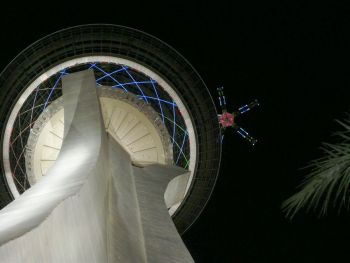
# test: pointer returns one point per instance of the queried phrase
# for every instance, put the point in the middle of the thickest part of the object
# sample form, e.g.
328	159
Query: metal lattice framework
107	74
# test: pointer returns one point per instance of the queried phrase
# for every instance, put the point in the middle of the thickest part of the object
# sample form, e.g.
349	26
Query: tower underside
93	204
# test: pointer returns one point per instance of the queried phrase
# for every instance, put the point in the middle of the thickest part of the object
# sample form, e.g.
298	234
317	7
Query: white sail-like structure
93	205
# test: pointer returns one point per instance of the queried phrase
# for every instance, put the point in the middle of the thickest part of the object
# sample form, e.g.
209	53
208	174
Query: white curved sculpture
93	205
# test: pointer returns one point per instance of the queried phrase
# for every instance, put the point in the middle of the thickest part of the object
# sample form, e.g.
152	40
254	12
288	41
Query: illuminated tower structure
153	109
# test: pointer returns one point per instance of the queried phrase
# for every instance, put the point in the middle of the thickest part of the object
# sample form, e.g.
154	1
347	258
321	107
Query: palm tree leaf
328	180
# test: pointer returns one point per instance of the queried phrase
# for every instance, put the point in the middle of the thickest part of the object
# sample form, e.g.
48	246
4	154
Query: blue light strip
243	107
183	143
92	65
136	83
110	74
160	104
239	132
246	133
63	72
245	111
104	72
181	151
242	132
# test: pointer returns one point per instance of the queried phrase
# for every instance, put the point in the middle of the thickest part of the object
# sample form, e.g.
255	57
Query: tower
153	103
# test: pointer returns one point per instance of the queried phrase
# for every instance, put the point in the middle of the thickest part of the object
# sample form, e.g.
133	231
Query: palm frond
328	181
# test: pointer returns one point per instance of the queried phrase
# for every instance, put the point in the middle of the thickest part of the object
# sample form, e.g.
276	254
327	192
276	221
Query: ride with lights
227	119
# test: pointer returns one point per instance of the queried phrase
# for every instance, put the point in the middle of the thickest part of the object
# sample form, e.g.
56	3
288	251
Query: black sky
294	58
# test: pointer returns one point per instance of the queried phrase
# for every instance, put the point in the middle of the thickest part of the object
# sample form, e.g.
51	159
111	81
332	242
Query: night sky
294	58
